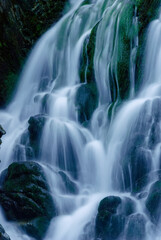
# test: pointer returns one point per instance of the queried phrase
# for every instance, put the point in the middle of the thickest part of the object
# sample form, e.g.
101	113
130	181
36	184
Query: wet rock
3	234
112	216
142	195
86	101
2	132
70	185
36	124
140	164
153	202
156	109
136	165
25	197
154	136
135	229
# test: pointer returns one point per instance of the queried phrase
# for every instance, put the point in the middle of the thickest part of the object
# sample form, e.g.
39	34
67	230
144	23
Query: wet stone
36	124
153	202
156	109
25	198
113	213
155	135
135	229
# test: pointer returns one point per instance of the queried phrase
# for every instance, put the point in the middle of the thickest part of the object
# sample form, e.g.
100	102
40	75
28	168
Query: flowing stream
95	159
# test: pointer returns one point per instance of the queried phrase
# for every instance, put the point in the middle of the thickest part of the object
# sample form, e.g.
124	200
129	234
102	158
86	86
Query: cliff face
21	24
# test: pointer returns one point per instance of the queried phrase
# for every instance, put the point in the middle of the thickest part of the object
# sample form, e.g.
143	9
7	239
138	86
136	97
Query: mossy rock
25	197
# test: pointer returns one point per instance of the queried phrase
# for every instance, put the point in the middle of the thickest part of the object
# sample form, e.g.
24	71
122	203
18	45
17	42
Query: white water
91	158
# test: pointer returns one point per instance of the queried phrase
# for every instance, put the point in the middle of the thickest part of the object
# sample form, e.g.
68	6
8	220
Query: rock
140	164
153	202
36	124
86	101
135	229
112	216
25	197
3	234
2	132
156	109
154	136
136	165
69	184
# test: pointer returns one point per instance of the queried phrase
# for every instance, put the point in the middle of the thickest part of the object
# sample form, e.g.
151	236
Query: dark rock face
21	24
153	202
35	128
86	101
116	219
2	132
3	234
25	197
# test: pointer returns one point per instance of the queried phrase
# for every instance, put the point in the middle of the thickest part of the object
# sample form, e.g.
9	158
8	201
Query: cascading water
120	157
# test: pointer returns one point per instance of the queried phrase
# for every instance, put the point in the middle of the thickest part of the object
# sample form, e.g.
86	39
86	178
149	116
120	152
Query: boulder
36	124
112	216
86	101
25	197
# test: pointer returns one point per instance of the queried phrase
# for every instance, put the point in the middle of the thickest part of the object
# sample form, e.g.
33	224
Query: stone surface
113	213
153	202
36	124
86	101
25	197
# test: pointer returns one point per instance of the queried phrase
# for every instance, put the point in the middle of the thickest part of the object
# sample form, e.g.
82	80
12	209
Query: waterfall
113	149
